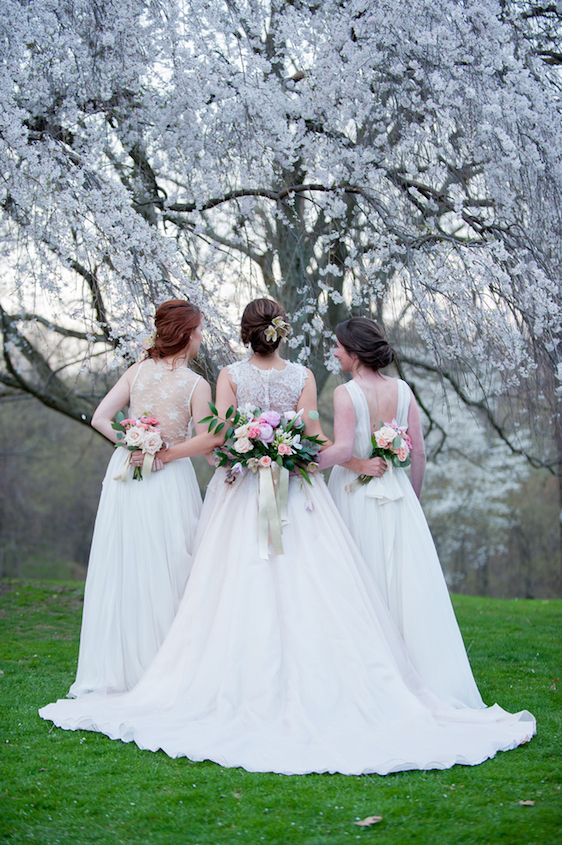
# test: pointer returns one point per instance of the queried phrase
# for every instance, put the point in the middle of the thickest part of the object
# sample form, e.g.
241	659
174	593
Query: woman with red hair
143	539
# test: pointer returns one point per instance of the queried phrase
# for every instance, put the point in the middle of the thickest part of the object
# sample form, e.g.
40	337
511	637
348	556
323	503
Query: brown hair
175	321
362	337
257	316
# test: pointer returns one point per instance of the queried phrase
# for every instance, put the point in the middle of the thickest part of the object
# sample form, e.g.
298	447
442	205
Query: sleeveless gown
142	545
291	664
387	522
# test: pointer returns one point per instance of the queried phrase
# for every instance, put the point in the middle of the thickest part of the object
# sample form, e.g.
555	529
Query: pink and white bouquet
273	446
142	434
391	442
259	439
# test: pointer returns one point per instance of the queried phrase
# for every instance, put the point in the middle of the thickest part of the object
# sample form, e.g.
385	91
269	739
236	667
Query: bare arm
308	403
415	430
118	398
344	431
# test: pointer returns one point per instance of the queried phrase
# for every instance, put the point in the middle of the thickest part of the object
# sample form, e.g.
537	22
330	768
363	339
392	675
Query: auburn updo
256	318
175	321
362	337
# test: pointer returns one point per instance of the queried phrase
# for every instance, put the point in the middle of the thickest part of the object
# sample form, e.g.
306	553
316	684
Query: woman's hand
374	467
137	459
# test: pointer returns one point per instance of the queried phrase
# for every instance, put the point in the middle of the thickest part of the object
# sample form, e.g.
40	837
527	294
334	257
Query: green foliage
59	787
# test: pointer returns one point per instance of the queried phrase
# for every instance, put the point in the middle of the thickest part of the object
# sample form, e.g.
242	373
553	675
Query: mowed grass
74	787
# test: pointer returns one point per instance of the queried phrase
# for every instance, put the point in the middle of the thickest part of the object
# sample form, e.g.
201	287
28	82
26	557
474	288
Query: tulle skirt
140	560
394	539
290	664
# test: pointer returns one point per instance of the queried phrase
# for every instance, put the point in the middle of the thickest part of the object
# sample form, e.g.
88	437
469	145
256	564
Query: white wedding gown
291	664
142	545
387	522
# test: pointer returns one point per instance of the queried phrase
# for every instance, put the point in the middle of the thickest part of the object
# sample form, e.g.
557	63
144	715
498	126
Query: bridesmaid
387	521
141	550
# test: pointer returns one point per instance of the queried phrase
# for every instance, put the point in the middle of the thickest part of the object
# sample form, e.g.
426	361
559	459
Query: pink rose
254	432
149	420
402	453
284	449
266	433
272	418
265	461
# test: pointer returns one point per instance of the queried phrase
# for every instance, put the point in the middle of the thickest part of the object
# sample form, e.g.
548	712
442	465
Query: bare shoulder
202	385
131	371
225	374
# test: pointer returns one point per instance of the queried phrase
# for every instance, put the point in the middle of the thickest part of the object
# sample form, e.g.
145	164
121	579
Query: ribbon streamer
122	475
273	499
385	488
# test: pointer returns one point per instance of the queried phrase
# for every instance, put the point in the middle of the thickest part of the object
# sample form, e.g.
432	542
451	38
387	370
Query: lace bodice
269	390
165	393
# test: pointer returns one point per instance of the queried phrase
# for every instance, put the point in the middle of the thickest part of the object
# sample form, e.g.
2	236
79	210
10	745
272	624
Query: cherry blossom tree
392	158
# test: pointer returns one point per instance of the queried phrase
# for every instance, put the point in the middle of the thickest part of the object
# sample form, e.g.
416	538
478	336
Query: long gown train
291	664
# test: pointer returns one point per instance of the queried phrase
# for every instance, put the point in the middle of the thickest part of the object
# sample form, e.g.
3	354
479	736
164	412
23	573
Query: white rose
243	445
152	443
242	431
134	437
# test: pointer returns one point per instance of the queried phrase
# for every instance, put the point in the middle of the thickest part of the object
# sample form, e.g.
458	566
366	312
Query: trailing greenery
63	787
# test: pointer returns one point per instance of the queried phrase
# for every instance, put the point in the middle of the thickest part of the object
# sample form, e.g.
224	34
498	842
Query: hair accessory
278	328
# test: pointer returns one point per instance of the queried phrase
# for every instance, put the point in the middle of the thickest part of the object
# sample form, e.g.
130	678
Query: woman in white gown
144	532
387	522
289	664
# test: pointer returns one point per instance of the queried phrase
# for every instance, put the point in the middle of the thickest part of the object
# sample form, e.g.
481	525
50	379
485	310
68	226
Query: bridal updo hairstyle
175	321
362	337
256	318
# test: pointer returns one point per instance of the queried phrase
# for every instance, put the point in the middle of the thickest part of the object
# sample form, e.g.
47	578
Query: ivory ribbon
122	475
273	499
147	463
384	489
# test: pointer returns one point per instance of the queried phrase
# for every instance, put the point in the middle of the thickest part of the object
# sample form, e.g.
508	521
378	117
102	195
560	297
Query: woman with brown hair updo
387	522
282	656
143	538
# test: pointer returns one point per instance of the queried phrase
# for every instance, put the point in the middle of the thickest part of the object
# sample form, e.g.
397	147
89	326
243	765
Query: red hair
175	321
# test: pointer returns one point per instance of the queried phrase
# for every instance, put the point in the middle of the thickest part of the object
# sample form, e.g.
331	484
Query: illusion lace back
164	392
139	567
269	390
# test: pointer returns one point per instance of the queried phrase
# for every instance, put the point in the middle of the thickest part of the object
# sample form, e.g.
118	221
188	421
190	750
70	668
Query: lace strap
137	373
191	392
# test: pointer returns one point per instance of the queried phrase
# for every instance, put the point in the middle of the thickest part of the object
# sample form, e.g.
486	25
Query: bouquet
272	445
392	443
142	434
259	439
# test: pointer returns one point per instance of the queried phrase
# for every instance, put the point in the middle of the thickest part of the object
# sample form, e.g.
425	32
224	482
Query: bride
289	664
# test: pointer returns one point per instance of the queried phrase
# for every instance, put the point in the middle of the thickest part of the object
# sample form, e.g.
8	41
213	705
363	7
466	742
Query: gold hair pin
278	328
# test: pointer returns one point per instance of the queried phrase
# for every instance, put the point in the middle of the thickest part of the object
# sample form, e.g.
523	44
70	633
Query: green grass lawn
72	787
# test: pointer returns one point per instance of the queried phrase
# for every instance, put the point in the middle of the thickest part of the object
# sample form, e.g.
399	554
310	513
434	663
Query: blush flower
134	437
284	449
265	461
244	444
152	443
